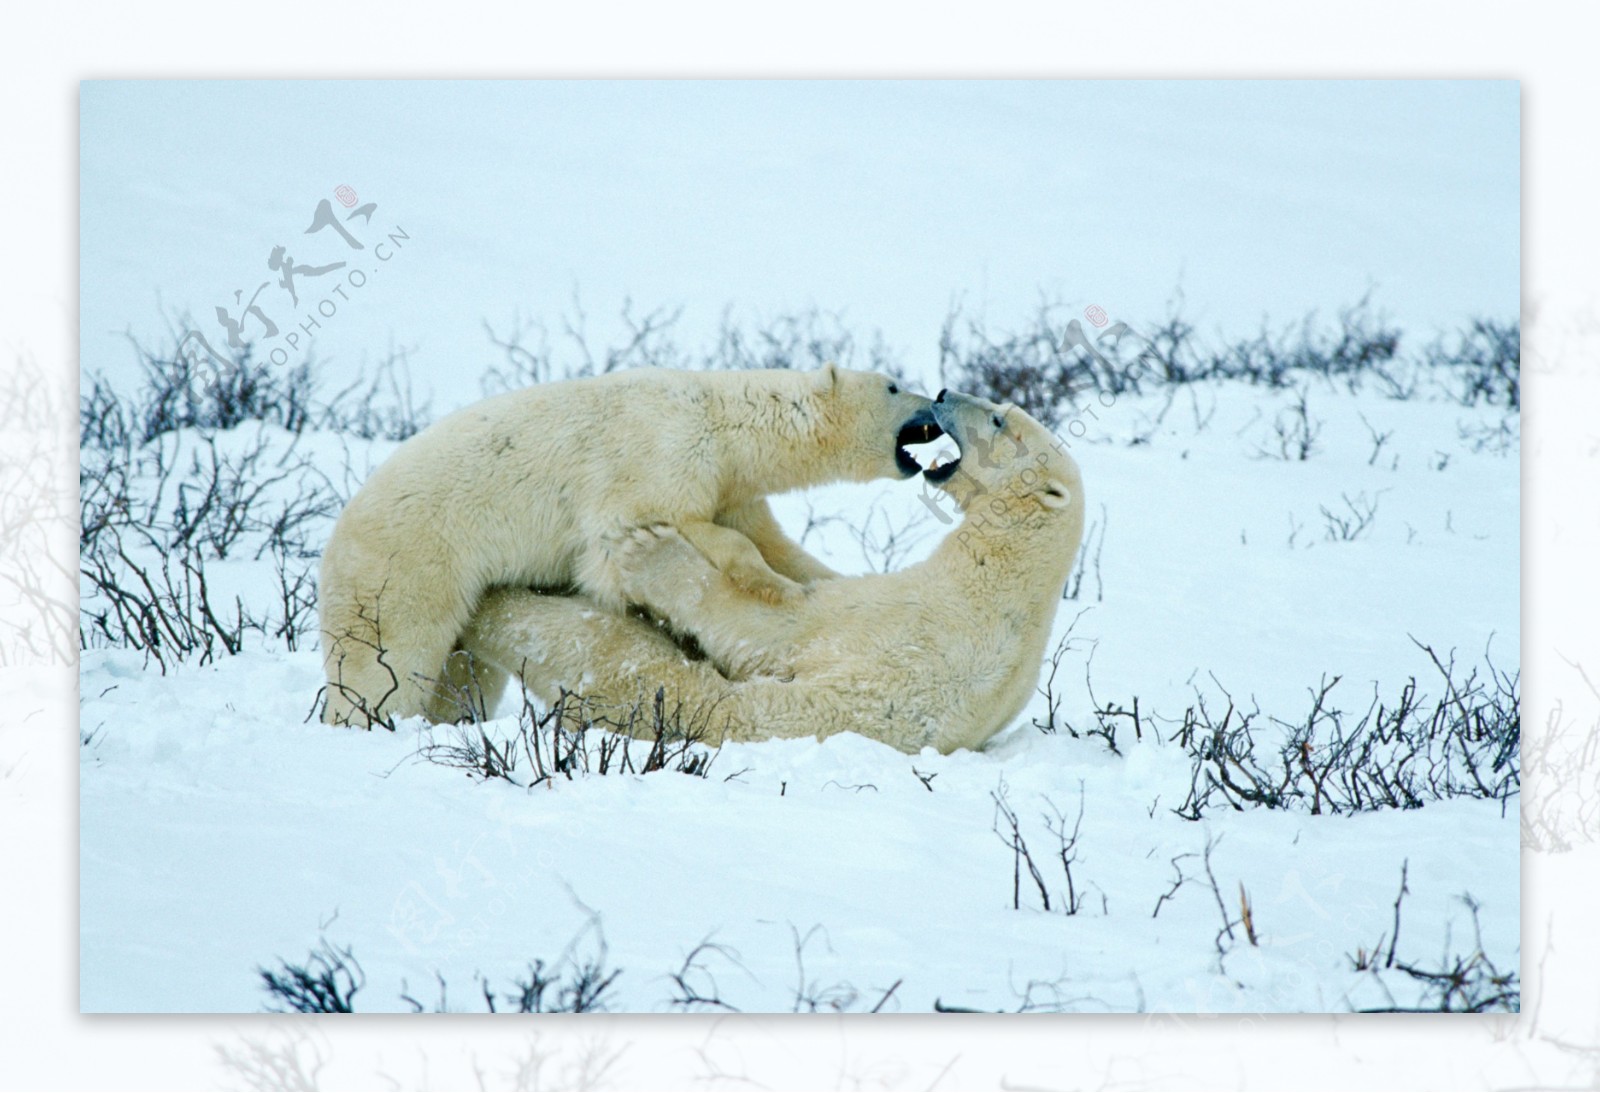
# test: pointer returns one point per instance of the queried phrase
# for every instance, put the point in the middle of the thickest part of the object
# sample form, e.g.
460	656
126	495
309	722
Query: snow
221	830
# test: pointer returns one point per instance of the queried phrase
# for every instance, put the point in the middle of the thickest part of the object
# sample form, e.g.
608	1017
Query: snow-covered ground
221	830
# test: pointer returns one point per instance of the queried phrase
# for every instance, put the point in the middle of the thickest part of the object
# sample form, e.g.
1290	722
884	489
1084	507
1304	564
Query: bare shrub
186	386
695	986
327	982
1040	367
151	529
581	989
1357	517
103	416
1502	436
1009	829
382	406
1485	362
330	977
525	345
1007	825
226	498
1067	848
1400	753
1359	342
159	609
1051	362
172	480
1052	691
297	601
1295	432
569	739
1468	982
1094	542
363	710
804	339
886	543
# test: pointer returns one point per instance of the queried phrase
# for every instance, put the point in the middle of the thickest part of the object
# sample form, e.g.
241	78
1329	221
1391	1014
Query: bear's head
870	418
1009	468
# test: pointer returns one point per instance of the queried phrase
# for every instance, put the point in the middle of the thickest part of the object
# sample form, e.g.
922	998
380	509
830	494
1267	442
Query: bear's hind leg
469	689
615	664
385	651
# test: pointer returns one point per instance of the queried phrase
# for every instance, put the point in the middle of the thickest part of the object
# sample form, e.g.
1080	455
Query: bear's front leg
742	635
738	560
786	557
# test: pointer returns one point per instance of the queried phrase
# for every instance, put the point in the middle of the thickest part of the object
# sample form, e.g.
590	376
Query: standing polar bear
941	654
539	487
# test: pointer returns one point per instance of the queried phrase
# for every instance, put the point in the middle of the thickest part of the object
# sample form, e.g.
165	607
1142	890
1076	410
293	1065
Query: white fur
540	486
944	653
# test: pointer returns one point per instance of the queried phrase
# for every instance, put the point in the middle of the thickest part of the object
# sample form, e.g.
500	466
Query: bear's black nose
941	395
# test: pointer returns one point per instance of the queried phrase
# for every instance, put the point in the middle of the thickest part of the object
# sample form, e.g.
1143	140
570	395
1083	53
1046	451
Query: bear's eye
894	389
999	422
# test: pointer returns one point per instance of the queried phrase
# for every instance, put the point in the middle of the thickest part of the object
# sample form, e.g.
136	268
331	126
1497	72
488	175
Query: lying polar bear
943	653
541	487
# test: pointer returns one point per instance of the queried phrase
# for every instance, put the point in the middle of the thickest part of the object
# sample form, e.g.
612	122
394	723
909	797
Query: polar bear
944	653
539	487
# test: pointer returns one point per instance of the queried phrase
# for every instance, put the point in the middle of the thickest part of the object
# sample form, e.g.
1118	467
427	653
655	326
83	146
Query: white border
46	49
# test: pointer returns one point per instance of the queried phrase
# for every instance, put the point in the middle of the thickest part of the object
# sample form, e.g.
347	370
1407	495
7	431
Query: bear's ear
828	377
1055	494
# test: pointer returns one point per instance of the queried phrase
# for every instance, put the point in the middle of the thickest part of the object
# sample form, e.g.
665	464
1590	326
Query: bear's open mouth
940	473
920	428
